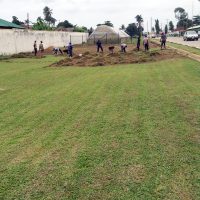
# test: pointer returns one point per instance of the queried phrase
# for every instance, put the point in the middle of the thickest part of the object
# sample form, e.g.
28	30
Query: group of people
111	48
163	41
41	48
69	48
56	50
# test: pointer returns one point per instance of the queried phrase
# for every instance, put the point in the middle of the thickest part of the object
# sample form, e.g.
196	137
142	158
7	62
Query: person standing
163	40
70	50
41	48
35	48
146	43
99	46
138	43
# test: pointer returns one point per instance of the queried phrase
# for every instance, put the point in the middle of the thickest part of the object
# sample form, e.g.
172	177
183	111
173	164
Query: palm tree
139	20
48	16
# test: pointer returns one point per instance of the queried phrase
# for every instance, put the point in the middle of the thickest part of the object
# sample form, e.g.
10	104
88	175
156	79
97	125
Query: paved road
179	40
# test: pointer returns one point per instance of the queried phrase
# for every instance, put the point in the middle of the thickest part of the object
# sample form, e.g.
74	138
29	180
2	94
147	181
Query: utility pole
167	22
192	9
151	24
28	20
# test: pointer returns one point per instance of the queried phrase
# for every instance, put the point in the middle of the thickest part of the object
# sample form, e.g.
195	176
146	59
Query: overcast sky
91	12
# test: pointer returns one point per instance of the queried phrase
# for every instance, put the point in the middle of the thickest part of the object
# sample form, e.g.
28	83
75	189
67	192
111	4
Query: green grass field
124	132
185	47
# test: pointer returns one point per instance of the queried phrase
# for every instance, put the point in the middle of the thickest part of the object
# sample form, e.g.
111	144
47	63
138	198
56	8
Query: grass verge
123	132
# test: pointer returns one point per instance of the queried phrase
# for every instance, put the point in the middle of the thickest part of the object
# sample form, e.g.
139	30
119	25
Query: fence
108	38
80	39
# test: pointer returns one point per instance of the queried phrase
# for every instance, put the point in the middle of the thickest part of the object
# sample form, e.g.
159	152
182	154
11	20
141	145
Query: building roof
107	30
6	24
194	28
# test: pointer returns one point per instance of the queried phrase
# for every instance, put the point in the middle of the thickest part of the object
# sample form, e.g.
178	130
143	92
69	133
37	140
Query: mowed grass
185	47
123	132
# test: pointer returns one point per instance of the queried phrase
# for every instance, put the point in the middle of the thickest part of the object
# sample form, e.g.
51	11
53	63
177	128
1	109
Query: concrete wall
16	41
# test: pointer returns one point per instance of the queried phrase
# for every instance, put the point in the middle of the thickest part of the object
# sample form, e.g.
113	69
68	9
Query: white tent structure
108	34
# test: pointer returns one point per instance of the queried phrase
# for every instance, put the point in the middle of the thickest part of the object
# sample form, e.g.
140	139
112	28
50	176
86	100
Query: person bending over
57	50
123	47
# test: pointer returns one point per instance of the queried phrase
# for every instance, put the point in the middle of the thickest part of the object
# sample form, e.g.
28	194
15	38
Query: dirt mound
22	55
103	59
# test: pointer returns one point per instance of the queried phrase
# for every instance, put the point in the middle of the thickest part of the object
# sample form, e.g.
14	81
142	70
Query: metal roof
104	29
6	24
194	27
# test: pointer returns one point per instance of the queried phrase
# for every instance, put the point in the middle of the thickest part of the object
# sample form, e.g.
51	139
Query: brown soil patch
86	56
135	173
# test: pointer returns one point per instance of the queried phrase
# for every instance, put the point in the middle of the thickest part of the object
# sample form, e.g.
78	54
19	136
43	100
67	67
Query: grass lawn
184	47
123	132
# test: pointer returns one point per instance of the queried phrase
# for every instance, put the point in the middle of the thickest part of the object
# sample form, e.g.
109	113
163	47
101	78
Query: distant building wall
16	41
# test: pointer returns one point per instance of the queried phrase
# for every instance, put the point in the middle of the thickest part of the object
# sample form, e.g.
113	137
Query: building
194	28
8	25
108	34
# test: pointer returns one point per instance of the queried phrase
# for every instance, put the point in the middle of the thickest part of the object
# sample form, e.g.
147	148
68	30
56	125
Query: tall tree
41	25
65	24
108	23
15	20
171	26
139	20
132	29
157	26
90	31
80	29
48	16
180	13
196	20
166	29
182	16
123	27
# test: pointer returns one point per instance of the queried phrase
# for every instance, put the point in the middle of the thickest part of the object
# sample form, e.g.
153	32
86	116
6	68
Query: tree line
48	23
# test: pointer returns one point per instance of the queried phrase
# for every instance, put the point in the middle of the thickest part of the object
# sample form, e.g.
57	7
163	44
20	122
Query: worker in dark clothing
35	48
99	46
138	43
163	40
70	50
